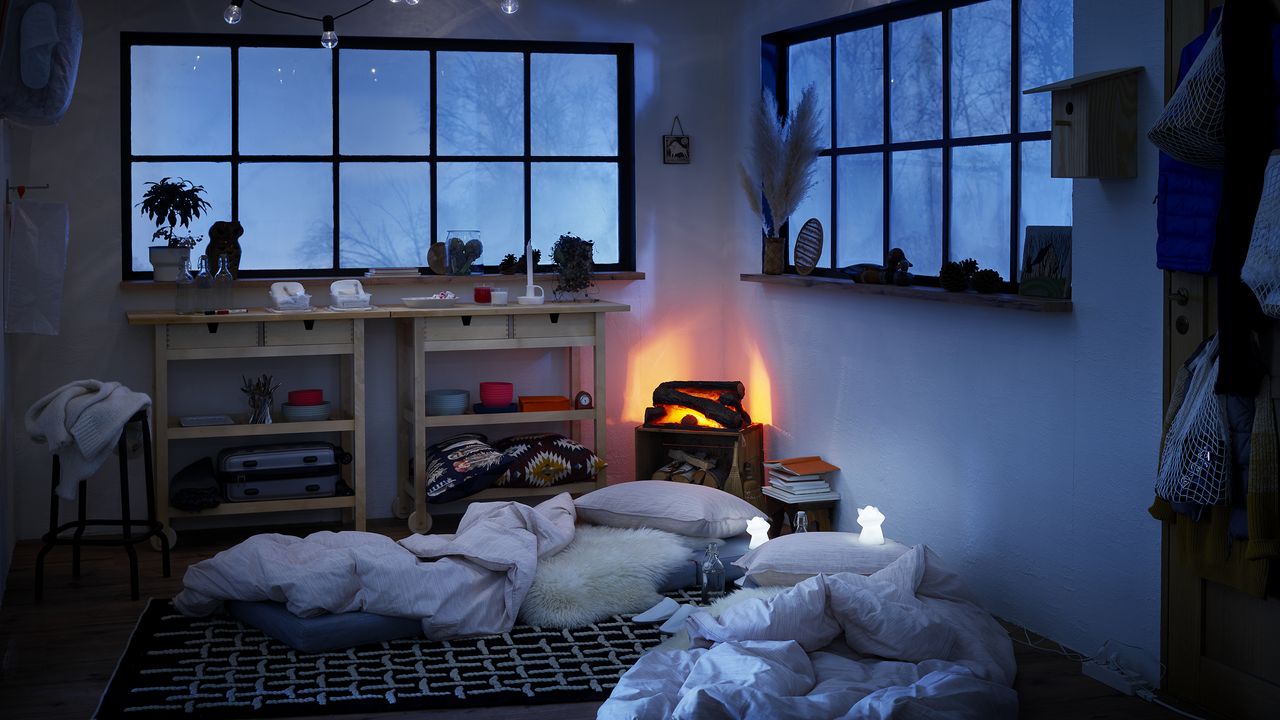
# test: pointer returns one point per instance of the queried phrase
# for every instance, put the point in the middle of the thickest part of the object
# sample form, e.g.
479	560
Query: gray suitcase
280	472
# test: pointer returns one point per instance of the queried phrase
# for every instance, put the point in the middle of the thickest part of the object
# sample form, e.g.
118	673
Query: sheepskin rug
604	571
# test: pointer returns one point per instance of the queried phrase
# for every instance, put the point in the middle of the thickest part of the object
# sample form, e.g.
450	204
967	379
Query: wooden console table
468	326
259	333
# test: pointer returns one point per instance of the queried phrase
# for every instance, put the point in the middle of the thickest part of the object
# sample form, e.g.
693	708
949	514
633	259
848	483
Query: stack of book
800	480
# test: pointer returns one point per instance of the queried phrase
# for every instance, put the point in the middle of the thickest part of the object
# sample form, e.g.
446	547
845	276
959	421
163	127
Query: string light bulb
328	38
233	13
509	7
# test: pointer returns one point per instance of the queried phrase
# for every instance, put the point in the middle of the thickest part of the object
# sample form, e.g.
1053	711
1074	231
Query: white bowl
429	302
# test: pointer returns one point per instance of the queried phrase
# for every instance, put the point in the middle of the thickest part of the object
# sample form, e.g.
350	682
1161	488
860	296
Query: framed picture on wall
1046	262
676	145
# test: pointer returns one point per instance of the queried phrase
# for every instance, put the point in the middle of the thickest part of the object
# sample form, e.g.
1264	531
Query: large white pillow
679	508
794	558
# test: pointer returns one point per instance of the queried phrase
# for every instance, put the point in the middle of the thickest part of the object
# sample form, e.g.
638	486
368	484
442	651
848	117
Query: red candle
483	294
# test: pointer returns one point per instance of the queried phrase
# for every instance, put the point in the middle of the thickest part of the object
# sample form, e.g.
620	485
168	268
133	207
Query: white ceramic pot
165	261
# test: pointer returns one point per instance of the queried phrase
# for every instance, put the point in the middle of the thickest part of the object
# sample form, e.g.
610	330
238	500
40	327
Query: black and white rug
216	668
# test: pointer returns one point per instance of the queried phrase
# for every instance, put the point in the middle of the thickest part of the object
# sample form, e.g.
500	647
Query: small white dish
335	308
286	311
530	300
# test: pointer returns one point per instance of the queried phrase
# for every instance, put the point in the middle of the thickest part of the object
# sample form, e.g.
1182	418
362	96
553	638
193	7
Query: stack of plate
305	413
447	402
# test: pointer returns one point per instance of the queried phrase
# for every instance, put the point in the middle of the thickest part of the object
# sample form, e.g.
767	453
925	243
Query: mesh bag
1261	270
1195	455
1191	128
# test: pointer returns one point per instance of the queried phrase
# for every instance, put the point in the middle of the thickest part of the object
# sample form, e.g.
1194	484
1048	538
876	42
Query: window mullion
833	223
433	148
336	60
887	164
1015	146
946	136
528	154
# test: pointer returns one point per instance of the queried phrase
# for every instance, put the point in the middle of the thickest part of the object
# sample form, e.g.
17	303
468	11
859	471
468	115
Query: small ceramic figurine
870	519
224	239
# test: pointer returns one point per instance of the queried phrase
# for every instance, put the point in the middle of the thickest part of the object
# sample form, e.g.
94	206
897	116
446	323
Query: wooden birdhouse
1095	127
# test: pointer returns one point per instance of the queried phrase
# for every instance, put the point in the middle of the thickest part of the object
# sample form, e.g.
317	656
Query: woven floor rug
216	668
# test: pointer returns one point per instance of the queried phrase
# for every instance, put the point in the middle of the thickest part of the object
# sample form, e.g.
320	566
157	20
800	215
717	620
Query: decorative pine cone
969	266
987	281
952	278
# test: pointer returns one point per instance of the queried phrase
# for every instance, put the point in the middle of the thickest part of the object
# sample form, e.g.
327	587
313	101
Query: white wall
1019	445
680	211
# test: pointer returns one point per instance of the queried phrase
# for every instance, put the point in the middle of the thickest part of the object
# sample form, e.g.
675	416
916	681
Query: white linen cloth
906	642
80	422
469	583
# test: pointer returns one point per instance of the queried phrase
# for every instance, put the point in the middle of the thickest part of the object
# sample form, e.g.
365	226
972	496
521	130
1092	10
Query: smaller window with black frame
931	146
338	161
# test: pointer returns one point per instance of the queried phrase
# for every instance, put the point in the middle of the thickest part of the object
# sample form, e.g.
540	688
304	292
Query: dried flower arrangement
782	159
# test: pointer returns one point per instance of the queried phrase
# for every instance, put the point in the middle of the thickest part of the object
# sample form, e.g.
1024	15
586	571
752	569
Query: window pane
1045	200
286	101
915	212
488	197
981	68
860	85
810	64
385	214
817	204
180	100
385	102
860	209
1046	56
574	104
480	103
576	199
216	179
915	108
287	213
980	206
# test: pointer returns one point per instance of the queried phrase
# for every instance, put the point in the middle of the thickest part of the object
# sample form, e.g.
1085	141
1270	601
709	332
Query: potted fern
783	158
171	202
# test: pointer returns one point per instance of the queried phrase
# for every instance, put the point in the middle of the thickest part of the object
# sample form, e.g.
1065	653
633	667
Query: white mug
498	297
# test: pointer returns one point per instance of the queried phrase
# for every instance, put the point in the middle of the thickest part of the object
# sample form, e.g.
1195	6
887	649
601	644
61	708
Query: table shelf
337	502
515	418
245	429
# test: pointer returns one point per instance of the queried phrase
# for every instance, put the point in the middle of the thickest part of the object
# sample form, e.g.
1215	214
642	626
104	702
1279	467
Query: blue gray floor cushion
333	632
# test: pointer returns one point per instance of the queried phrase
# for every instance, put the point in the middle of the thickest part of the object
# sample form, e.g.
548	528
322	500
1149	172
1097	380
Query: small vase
775	255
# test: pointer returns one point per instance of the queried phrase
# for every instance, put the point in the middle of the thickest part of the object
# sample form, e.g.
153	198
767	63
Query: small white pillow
679	508
794	558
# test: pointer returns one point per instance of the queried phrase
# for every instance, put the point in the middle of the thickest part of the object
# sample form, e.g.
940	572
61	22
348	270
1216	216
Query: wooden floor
56	657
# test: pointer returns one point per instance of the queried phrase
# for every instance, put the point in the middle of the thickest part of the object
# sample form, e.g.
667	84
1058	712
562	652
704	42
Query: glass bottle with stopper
802	522
204	294
186	288
712	574
223	282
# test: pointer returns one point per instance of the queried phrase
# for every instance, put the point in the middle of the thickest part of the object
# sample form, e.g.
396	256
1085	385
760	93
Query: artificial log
734	386
728	416
699	461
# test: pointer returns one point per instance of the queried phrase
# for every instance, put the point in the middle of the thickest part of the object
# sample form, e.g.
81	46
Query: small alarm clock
582	400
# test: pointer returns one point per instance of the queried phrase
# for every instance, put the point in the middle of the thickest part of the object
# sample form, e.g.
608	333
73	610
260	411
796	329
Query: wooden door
1221	647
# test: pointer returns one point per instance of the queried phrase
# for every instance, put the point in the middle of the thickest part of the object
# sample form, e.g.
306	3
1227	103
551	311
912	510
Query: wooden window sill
997	300
323	282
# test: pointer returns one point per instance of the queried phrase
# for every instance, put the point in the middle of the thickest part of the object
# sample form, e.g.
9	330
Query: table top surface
168	317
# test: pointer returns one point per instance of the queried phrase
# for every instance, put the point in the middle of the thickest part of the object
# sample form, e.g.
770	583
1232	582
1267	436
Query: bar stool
127	538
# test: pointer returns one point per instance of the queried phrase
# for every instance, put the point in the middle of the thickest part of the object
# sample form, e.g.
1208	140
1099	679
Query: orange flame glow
678	415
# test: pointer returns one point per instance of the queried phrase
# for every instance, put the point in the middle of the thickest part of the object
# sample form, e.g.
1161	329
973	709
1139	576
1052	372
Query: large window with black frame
336	161
932	147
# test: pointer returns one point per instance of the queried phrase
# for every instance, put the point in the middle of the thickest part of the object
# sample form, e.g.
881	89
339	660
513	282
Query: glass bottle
712	575
204	287
223	282
186	290
802	522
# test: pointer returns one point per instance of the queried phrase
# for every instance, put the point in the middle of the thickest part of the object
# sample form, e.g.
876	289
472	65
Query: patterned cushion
546	459
463	465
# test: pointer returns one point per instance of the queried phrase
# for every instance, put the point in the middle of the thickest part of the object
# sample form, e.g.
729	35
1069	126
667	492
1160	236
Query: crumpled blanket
80	422
906	642
469	583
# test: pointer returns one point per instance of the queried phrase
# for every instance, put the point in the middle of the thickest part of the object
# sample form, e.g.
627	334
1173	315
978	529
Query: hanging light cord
309	17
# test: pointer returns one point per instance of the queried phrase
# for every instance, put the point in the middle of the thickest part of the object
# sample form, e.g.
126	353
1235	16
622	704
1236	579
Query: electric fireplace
698	432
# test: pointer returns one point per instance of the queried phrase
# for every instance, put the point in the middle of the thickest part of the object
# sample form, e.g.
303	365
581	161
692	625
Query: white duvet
906	642
469	583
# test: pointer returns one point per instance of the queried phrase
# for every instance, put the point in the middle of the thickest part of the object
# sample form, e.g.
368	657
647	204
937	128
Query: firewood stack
719	402
695	468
